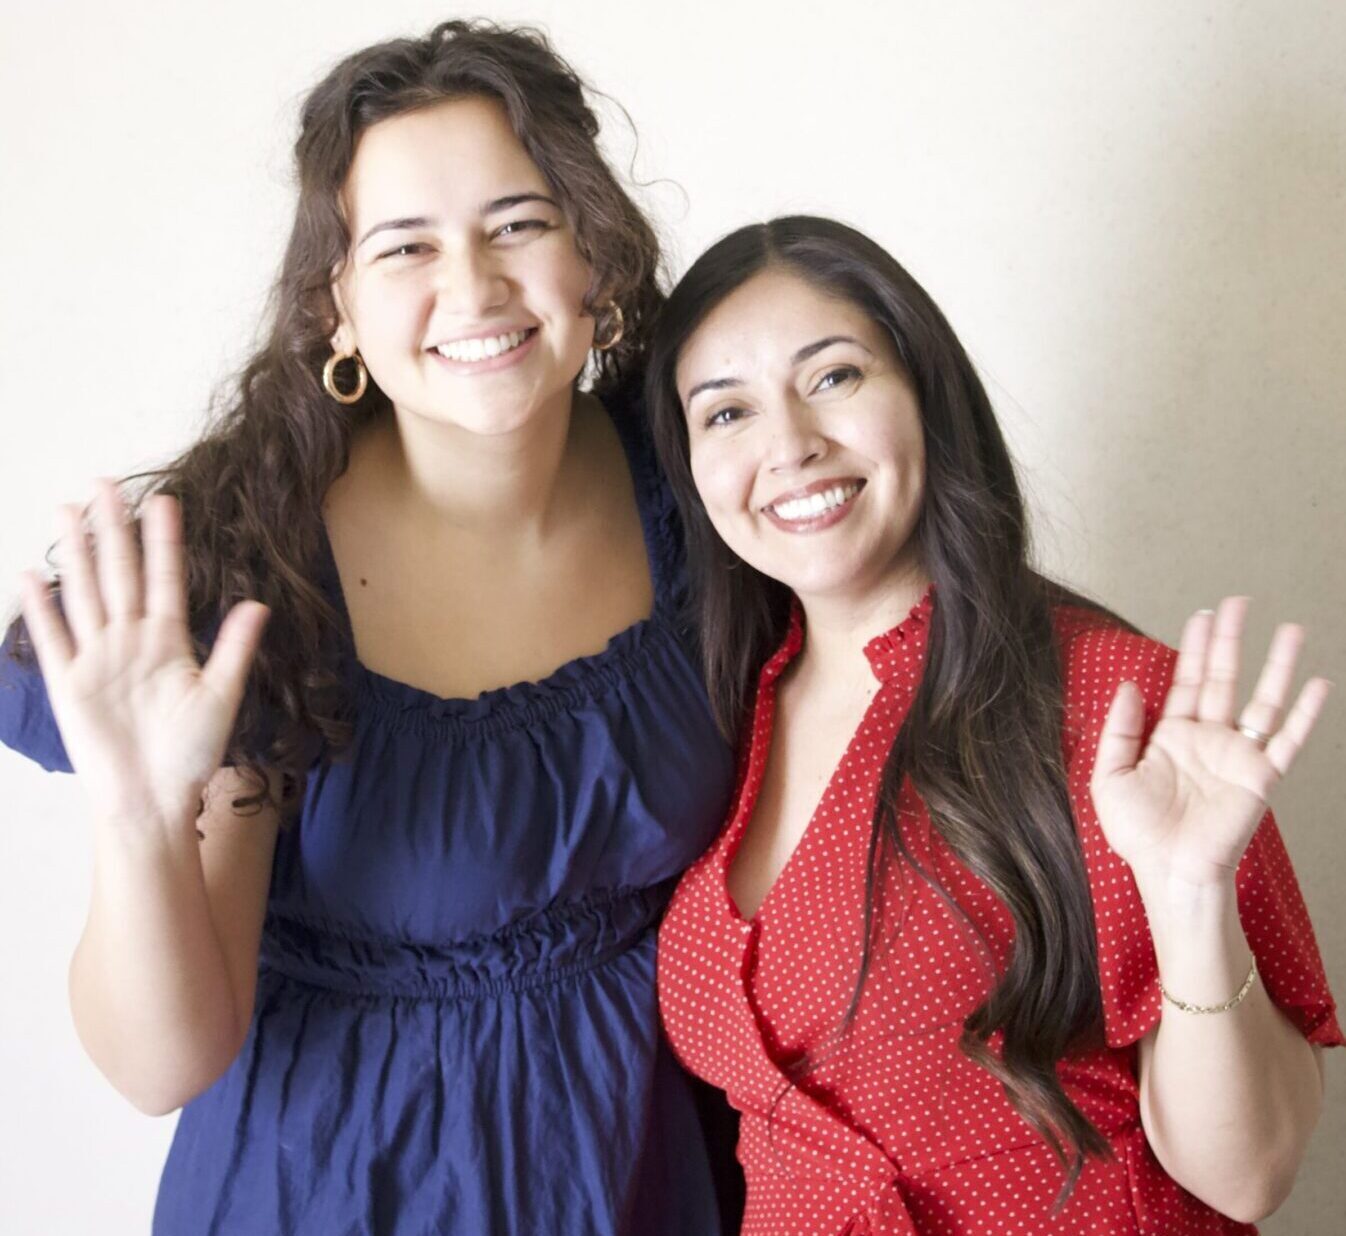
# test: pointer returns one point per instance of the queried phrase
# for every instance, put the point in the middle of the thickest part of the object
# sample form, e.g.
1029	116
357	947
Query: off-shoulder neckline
574	681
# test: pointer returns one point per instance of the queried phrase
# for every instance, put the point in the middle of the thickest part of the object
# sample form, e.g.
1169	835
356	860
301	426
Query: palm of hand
135	710
1192	803
1186	803
144	724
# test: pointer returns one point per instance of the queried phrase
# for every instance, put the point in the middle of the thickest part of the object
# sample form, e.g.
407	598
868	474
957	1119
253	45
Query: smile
821	508
474	351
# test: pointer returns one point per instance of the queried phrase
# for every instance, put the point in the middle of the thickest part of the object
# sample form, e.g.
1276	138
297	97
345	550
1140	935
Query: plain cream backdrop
1135	215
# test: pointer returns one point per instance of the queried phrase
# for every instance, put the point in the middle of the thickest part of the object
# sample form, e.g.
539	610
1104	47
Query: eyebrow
493	207
812	349
515	199
394	225
804	353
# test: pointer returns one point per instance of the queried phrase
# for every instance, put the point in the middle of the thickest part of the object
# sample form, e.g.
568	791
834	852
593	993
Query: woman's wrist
146	823
1203	954
1171	896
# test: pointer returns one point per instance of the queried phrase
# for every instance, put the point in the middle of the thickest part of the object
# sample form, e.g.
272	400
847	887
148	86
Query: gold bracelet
1234	1000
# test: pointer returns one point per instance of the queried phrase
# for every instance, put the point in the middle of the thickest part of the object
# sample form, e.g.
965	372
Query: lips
815	500
816	507
483	347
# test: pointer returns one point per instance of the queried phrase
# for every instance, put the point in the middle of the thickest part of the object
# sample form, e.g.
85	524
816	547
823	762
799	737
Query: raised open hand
1188	804
145	726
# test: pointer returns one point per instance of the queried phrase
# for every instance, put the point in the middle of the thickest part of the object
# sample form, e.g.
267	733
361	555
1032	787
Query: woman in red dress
1000	936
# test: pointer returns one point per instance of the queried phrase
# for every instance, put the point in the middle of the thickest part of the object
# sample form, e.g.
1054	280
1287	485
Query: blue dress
455	1028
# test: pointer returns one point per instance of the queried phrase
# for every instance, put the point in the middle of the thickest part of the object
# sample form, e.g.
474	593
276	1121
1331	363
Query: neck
497	483
839	625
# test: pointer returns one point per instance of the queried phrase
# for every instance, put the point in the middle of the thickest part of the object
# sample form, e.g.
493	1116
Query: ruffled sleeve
1271	906
26	722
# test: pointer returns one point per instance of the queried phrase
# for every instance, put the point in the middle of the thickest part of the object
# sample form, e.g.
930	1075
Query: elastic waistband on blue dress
536	950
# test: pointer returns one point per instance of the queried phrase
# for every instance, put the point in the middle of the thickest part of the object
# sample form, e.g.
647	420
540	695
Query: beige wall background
1134	214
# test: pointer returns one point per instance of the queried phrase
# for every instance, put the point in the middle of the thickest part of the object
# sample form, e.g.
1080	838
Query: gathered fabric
455	1028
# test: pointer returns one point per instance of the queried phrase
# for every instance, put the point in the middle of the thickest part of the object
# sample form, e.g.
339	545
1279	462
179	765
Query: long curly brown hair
251	489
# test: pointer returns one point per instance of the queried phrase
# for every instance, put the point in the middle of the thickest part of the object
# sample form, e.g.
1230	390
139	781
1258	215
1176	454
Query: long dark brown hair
982	743
252	488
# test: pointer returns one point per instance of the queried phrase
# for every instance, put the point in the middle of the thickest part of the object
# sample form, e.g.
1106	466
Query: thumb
226	669
1119	743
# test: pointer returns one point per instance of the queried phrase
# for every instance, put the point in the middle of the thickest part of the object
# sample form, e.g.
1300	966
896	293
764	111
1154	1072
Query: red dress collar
890	653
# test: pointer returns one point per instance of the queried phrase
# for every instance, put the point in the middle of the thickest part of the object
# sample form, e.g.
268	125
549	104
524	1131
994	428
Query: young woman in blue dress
376	885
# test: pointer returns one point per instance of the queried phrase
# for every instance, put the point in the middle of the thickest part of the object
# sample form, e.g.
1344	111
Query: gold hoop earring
612	313
329	378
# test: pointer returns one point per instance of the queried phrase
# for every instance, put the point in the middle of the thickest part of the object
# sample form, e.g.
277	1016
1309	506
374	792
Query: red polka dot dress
894	1131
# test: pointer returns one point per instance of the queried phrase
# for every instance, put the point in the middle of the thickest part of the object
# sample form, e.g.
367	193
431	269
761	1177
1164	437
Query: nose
468	283
796	437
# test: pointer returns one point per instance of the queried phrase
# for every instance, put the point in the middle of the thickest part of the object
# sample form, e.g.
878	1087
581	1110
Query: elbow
1246	1195
1262	1191
157	1066
160	1093
158	1083
1257	1200
1252	1196
151	1102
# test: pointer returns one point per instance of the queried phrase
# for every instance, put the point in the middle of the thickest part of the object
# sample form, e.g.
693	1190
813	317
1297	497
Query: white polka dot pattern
895	1131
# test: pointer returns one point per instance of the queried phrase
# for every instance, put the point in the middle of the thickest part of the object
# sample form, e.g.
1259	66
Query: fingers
80	597
1219	687
1289	740
108	589
226	670
118	555
1205	684
1123	728
105	584
46	628
1191	667
1266	708
165	586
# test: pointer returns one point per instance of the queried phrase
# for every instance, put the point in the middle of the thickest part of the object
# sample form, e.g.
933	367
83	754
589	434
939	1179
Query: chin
488	418
826	581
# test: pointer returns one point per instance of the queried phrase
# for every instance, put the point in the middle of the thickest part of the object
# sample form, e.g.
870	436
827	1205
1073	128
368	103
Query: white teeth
815	504
481	349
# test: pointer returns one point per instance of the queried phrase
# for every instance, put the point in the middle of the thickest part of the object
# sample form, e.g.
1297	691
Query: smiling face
805	439
464	289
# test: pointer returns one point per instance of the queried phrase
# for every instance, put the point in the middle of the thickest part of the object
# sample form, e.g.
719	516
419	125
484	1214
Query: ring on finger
1260	737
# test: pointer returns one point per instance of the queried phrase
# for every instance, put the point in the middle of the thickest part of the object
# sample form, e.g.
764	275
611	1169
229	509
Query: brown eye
518	227
838	376
723	416
410	249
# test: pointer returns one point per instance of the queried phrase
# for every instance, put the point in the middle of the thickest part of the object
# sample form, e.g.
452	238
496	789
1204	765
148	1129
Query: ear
343	338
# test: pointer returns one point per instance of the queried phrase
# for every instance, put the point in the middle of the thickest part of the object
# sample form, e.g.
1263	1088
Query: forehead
762	323
448	157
